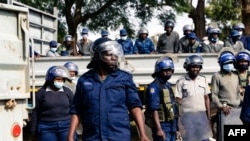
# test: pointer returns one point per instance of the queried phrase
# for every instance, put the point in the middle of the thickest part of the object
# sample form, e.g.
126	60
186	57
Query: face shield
106	47
111	47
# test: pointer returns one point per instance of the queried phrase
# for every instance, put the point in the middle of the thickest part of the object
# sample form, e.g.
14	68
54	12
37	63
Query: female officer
161	104
50	119
103	97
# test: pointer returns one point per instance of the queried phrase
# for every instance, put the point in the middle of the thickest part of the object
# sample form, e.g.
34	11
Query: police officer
241	27
53	48
242	65
213	44
126	43
143	44
193	46
226	92
84	43
168	41
192	91
50	120
161	104
66	49
183	42
234	41
103	97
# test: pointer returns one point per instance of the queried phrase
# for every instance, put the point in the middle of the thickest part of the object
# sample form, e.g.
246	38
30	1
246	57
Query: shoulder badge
152	90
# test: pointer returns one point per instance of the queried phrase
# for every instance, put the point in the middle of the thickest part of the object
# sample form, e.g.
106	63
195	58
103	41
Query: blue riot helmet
227	61
56	71
208	31
193	60
53	43
104	33
226	57
103	45
234	33
71	67
84	31
123	32
243	55
191	35
240	27
162	64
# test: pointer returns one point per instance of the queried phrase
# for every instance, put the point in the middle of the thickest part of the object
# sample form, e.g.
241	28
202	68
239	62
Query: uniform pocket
116	93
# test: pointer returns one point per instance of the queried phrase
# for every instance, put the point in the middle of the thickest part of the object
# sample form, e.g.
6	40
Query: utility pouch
178	106
161	114
149	121
169	112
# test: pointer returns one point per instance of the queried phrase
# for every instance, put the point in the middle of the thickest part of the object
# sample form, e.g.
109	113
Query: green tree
229	12
225	13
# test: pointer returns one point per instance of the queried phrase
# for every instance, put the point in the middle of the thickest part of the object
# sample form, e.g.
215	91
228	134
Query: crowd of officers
168	42
101	97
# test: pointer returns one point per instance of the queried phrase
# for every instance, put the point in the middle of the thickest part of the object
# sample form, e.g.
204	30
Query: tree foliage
225	13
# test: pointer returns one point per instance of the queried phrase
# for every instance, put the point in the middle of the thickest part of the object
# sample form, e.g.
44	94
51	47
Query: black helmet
169	23
193	60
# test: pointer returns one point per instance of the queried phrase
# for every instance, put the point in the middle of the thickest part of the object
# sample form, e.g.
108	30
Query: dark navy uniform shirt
103	106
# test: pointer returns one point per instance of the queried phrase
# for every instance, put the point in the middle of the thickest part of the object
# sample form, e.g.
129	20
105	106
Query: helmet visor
112	47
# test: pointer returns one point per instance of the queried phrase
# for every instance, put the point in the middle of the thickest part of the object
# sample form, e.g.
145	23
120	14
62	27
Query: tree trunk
197	14
72	23
246	15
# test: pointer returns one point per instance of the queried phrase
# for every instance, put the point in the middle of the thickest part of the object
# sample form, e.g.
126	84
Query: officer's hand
178	136
144	138
226	110
161	134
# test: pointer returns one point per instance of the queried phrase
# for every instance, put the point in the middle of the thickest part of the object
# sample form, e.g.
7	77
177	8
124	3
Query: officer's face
186	32
191	41
168	29
166	74
110	59
143	35
194	70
